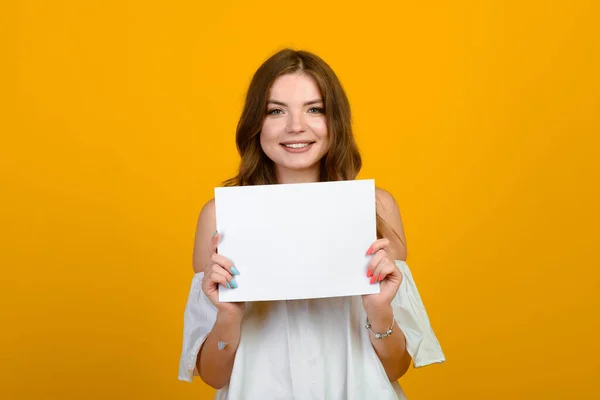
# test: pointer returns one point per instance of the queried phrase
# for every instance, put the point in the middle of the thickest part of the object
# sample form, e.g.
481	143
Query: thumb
214	242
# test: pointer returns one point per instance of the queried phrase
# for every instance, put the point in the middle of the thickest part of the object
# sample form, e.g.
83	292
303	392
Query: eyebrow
308	103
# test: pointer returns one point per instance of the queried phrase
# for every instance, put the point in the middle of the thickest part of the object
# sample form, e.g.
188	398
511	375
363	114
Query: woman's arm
391	350
214	365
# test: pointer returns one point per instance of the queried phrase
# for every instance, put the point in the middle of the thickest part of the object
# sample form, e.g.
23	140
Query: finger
388	270
214	242
230	282
225	263
382	269
220	278
374	262
218	269
377	245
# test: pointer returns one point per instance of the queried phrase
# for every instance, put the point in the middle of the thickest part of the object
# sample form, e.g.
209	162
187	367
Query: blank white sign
297	241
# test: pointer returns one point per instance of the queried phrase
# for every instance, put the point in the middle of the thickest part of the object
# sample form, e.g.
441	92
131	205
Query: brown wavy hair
342	161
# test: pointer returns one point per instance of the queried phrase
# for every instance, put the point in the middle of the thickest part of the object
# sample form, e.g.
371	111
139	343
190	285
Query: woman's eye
317	110
275	111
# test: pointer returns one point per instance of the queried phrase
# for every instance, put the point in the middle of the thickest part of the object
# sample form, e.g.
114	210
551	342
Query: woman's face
294	133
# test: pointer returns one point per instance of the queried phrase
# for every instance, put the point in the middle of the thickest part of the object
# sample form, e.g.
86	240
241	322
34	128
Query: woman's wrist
227	328
227	318
380	318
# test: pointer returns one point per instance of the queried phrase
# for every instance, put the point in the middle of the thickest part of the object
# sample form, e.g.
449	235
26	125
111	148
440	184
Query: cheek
268	132
269	139
319	127
265	134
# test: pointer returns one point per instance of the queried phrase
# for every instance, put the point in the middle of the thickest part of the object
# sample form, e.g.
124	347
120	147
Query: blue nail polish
234	283
234	270
214	233
228	285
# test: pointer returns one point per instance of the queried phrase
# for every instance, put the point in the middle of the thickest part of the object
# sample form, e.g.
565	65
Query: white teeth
296	145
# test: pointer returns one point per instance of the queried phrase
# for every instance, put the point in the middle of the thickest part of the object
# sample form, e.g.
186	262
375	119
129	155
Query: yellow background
118	119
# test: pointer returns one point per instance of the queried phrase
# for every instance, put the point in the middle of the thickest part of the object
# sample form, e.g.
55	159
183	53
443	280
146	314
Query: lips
297	147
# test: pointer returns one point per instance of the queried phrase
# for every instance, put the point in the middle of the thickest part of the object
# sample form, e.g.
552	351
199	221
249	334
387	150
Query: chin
299	166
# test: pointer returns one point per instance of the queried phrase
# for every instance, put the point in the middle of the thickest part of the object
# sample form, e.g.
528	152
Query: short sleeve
198	320
409	311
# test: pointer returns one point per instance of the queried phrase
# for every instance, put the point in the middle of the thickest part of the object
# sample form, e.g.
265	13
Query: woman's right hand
221	272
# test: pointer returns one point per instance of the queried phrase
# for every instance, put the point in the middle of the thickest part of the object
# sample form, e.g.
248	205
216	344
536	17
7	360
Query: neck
297	176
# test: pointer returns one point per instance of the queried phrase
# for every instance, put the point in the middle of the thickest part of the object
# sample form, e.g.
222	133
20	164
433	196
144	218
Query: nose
295	123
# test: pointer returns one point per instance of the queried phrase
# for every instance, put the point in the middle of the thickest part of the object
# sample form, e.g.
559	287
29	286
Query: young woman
295	127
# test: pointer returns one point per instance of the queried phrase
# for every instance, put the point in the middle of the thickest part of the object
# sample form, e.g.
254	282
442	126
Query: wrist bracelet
221	344
380	336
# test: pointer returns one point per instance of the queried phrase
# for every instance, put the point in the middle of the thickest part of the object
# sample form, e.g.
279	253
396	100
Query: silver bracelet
221	344
380	336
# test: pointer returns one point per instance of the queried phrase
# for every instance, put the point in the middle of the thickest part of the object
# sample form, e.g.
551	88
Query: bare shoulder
385	198
205	227
208	210
388	210
387	207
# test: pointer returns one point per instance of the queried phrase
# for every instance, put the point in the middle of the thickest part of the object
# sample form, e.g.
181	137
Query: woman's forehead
296	87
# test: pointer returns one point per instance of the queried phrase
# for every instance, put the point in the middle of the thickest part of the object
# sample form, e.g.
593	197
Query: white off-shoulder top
309	349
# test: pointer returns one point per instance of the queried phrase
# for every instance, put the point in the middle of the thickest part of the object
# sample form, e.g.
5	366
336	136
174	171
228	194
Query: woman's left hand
383	269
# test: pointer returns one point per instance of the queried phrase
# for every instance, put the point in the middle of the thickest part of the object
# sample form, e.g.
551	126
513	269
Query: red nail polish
380	278
373	279
369	273
370	251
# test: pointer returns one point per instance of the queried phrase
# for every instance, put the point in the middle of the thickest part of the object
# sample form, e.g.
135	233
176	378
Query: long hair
342	161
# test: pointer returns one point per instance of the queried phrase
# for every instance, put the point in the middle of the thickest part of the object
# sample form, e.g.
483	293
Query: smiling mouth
296	145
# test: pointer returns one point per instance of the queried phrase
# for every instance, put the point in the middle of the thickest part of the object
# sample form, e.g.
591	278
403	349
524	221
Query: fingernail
214	233
373	279
234	283
369	273
228	285
380	278
369	251
234	270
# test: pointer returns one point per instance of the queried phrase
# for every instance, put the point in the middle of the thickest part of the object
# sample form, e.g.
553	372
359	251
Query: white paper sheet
297	241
